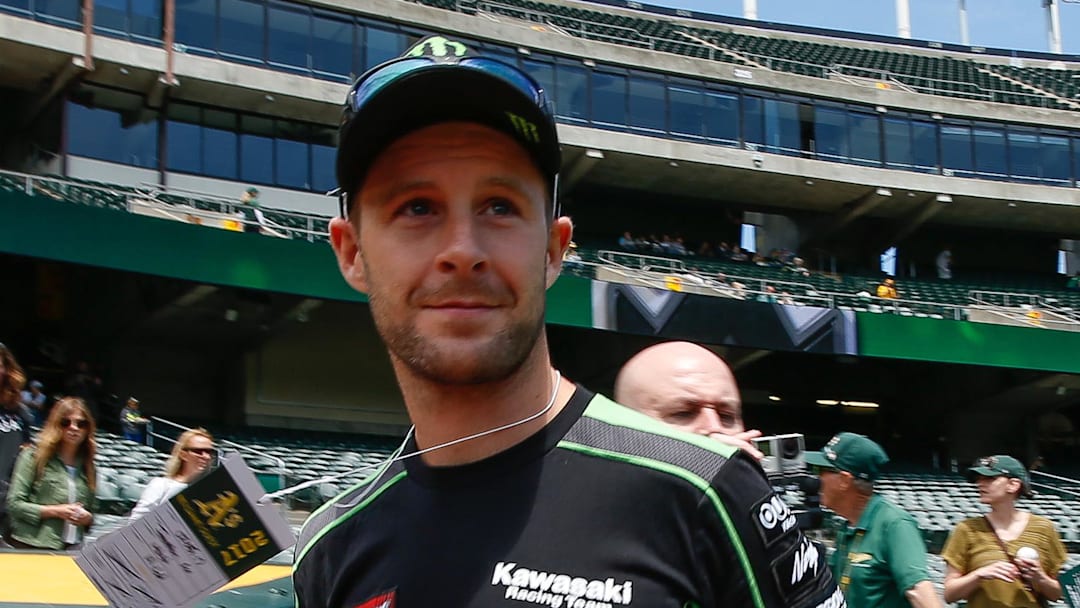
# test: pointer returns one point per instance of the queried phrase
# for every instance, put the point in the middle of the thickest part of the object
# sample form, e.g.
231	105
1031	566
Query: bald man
689	387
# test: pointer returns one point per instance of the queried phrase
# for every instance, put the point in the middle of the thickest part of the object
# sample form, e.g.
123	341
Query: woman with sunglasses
52	491
190	459
1008	557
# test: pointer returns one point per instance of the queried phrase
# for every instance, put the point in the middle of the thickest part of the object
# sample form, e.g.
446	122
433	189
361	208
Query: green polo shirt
880	558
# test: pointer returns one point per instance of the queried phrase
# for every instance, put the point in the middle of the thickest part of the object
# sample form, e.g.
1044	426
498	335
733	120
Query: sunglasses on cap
200	451
80	423
376	80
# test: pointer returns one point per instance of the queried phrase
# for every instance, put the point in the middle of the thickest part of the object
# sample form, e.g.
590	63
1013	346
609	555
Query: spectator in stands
706	250
52	500
15	420
190	459
449	226
984	556
880	557
253	215
35	399
944	262
688	387
786	299
724	250
627	242
132	421
887	289
769	297
572	259
1074	282
798	266
738	255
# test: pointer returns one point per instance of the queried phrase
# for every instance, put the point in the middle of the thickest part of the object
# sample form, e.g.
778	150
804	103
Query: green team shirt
881	557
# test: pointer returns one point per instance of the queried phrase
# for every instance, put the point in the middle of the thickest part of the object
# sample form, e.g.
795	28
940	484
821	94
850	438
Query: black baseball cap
441	80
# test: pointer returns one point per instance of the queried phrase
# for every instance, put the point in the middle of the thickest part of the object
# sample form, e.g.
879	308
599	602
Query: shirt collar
868	512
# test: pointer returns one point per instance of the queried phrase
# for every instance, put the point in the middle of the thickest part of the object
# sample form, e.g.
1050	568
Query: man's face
700	397
450	240
832	486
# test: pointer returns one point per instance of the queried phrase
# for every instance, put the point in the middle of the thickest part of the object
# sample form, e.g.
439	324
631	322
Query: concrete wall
331	373
98	170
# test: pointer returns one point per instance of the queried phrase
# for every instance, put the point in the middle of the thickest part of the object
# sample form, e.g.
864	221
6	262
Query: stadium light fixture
944	198
672	163
774	398
589	62
827	402
524	51
597	154
936	116
860	404
882	110
884	192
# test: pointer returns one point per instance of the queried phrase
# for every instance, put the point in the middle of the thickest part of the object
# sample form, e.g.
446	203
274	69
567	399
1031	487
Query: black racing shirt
604	507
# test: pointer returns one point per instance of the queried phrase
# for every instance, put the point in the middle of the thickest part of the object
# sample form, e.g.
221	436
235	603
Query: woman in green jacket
51	499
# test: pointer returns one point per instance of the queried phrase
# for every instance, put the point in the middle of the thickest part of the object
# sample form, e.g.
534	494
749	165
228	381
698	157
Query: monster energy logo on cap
437	46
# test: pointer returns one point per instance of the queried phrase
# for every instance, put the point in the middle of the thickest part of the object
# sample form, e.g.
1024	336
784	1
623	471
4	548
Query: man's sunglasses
80	423
200	451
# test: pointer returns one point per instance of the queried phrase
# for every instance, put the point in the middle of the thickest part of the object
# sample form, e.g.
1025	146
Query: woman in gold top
1007	558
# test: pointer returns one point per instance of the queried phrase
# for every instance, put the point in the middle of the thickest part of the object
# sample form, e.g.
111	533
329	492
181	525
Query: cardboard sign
184	550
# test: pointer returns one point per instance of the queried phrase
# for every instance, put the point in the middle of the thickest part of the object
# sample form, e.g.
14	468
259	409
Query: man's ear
559	236
345	240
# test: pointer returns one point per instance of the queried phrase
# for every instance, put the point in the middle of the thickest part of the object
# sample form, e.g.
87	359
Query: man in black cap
880	557
516	487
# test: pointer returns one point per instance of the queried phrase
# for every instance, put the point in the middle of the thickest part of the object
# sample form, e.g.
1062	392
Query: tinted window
571	93
111	15
956	149
753	120
382	45
196	24
990	160
332	46
865	138
290	32
647	103
609	98
830	134
722	117
686	109
242	25
183	138
257	149
1024	154
67	12
219	144
145	18
782	127
1054	153
543	72
924	146
898	147
291	155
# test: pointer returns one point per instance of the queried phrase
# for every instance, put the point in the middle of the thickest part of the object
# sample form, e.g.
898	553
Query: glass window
242	26
20	6
257	149
686	107
543	71
782	131
1023	154
183	139
322	158
145	19
289	32
196	24
113	126
291	159
332	46
721	114
754	121
219	144
571	93
924	145
65	12
382	45
956	149
89	129
609	98
898	147
111	15
647	103
830	134
1076	161
865	131
1054	157
990	159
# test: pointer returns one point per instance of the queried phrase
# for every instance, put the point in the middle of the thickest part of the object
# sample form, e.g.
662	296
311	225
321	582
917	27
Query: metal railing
223	446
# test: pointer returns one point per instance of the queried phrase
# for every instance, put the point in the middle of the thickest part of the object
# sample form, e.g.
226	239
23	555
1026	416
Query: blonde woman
191	457
51	500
